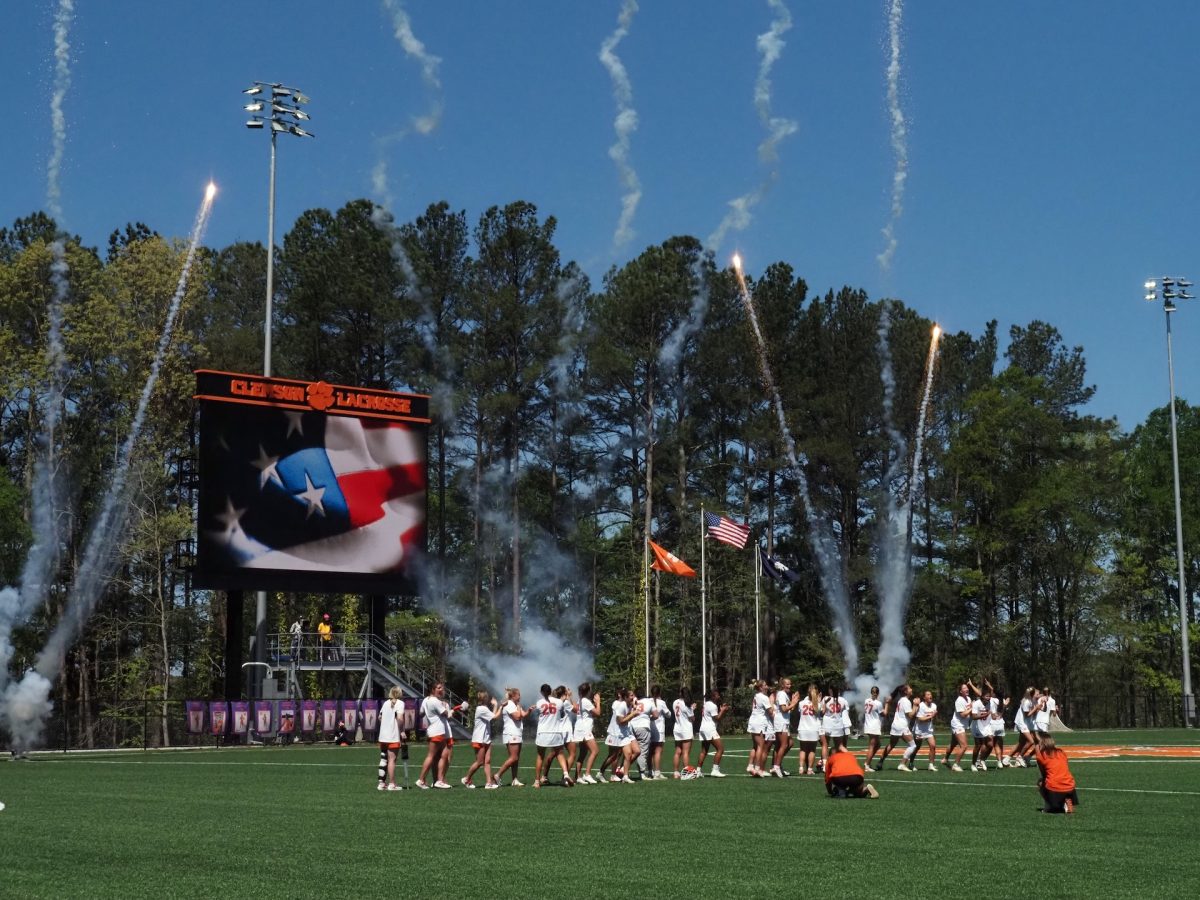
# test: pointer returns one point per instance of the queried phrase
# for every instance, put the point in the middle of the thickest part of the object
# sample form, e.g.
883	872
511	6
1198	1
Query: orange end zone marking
1105	752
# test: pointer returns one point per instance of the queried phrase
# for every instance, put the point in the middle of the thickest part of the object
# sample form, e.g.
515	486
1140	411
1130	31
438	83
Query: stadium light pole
275	108
1170	290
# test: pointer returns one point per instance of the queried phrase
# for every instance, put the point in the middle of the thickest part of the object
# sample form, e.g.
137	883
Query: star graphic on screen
266	468
312	496
295	422
230	519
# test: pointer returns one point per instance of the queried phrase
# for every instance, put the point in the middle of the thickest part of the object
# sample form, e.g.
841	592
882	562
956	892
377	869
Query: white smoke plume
672	348
106	530
58	121
820	536
545	657
424	124
24	708
625	123
899	134
770	46
572	290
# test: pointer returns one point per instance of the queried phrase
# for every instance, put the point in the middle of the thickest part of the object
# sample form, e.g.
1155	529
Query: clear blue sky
1052	146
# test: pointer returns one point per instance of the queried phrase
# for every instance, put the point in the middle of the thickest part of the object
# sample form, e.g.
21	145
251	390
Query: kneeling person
844	776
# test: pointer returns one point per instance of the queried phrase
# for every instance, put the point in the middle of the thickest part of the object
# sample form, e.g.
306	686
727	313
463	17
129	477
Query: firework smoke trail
925	397
26	704
899	134
833	585
770	45
426	124
625	124
672	348
17	605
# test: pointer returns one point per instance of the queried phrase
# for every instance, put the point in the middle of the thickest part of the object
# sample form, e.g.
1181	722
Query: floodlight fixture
255	123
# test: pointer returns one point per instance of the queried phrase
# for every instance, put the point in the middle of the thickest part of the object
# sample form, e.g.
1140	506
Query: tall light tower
275	107
1170	290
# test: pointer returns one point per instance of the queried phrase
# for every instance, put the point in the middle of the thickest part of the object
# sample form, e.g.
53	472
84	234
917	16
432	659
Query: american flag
726	530
306	491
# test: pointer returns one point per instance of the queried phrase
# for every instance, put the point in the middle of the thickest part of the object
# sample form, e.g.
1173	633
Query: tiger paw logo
320	396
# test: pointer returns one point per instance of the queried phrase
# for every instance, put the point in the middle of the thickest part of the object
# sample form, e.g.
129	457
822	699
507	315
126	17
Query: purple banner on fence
195	716
287	716
218	712
308	716
410	714
350	714
329	716
264	716
370	716
241	716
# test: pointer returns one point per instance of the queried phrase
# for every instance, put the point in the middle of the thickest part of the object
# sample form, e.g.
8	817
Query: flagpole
703	613
757	617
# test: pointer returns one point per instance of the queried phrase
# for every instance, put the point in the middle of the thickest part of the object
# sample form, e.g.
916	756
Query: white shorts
683	731
709	733
872	729
900	731
980	732
656	734
998	728
957	727
812	736
618	740
763	727
781	724
923	734
512	737
1024	728
835	731
583	732
550	740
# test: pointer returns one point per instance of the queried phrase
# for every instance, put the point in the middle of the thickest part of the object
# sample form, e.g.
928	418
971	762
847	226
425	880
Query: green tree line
571	420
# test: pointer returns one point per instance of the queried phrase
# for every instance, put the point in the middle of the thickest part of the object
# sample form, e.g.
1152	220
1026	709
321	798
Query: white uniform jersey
551	712
834	721
584	719
482	732
641	721
437	714
760	715
708	721
389	721
872	716
1046	714
900	724
923	727
808	720
618	735
997	717
683	720
981	725
658	722
1021	720
513	728
783	719
961	720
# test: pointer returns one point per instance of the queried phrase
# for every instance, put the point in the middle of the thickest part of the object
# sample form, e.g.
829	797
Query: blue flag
777	570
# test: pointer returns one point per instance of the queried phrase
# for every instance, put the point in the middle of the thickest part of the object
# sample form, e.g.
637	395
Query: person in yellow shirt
325	633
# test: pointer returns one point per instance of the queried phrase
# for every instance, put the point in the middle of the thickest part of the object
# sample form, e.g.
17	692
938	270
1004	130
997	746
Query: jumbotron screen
309	486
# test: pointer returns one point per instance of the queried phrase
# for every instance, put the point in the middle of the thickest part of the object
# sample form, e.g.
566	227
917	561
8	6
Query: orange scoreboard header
317	396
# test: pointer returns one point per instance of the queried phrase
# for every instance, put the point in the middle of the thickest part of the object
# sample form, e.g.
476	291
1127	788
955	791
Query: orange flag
666	561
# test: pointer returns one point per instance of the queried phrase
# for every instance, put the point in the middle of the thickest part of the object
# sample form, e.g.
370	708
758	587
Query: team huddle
638	729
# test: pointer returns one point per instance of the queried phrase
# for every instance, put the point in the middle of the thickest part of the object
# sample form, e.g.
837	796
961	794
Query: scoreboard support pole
235	610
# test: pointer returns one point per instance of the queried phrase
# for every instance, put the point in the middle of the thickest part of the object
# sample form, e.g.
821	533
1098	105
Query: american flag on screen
314	492
727	530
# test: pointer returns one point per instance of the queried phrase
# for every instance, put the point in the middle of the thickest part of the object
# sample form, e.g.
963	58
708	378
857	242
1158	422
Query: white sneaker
626	780
775	772
468	785
568	781
422	785
658	776
749	770
381	787
932	767
1006	761
491	786
441	785
394	787
903	768
716	773
956	768
515	783
872	792
588	779
868	769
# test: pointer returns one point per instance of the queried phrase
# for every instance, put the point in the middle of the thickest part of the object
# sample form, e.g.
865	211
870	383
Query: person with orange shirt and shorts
844	776
1057	784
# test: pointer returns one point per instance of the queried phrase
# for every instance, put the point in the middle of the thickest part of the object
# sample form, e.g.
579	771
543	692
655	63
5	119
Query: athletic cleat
515	783
467	784
394	787
775	772
932	767
867	768
381	787
1068	806
491	786
1005	761
625	779
658	776
715	773
903	768
441	785
956	768
422	785
872	792
567	782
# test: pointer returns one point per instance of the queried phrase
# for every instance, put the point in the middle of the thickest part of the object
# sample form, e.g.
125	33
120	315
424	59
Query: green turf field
308	822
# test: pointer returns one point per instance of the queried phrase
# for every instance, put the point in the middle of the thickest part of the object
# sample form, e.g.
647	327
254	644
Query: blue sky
1052	146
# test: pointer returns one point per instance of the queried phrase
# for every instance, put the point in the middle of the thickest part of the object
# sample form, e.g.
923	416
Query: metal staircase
352	652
